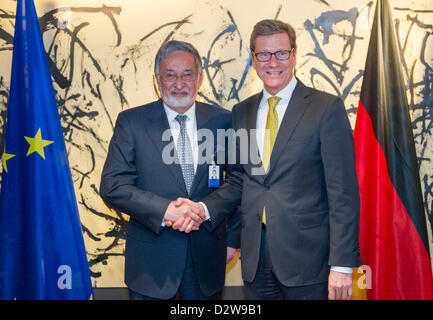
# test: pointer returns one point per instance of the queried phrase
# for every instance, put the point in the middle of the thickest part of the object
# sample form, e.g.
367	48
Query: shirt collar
171	114
285	93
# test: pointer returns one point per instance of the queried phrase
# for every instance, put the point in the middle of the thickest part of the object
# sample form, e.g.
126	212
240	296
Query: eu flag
42	253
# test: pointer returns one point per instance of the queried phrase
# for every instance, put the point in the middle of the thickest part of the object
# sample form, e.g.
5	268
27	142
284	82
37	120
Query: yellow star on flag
6	157
37	144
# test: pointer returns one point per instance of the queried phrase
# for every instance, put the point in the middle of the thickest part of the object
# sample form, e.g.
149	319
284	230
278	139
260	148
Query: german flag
393	232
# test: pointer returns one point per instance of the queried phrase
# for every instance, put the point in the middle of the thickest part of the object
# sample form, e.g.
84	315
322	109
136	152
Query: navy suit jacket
136	181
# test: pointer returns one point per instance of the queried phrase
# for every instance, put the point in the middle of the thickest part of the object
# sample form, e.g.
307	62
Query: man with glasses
142	181
300	208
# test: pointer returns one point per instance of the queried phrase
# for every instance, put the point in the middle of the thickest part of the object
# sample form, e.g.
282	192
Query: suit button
266	187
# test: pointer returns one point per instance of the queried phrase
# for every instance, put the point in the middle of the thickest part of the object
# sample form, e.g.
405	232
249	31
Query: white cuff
206	211
341	269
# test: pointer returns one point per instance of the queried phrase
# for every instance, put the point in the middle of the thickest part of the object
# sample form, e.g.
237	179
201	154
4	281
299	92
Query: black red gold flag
393	232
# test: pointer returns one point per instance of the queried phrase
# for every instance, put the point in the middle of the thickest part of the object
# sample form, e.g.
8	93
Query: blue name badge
214	176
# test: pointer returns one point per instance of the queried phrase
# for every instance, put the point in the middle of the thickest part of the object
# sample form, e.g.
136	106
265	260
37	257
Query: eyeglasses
172	77
280	55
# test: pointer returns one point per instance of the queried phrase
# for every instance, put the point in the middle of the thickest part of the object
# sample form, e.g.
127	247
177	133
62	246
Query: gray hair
174	45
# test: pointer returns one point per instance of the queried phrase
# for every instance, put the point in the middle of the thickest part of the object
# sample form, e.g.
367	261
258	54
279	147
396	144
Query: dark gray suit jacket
136	181
310	191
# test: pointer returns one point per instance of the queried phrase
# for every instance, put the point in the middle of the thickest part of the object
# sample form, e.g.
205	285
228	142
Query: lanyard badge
214	180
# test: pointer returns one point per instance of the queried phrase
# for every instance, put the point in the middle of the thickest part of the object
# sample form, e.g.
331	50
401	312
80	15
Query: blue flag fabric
42	253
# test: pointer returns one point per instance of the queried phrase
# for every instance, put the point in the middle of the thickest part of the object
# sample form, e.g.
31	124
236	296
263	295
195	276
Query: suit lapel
255	164
252	112
157	127
294	112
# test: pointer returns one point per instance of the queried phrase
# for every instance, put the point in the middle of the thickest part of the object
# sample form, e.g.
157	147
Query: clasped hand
184	215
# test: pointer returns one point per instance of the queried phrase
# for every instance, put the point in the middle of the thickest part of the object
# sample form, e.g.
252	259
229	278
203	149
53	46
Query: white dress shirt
262	112
190	126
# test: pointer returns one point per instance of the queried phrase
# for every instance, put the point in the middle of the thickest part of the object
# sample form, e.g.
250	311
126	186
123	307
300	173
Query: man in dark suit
145	173
300	204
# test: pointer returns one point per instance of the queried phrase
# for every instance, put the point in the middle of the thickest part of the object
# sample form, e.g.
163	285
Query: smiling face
179	94
275	74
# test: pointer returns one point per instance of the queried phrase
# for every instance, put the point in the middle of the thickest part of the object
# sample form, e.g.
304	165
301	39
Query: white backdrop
102	54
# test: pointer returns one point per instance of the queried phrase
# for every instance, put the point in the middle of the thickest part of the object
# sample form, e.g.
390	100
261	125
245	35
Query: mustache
175	90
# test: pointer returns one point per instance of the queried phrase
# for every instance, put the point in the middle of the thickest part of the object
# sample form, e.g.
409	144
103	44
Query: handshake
184	215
